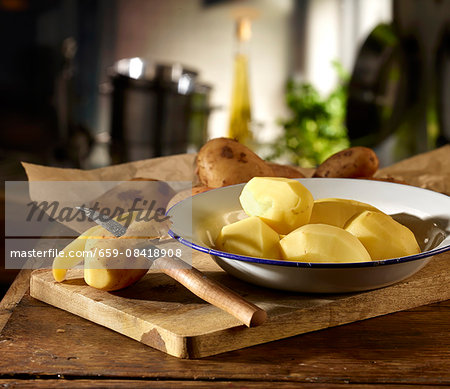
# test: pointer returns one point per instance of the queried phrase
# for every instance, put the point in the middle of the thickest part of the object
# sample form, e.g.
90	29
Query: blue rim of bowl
278	262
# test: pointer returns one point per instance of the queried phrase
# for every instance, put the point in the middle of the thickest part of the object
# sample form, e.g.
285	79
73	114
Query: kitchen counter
42	346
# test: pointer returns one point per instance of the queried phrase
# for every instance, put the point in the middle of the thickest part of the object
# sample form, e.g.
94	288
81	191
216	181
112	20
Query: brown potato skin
184	194
285	171
353	162
199	189
385	179
224	161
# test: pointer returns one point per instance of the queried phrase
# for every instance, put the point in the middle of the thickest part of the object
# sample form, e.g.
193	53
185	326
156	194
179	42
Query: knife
205	288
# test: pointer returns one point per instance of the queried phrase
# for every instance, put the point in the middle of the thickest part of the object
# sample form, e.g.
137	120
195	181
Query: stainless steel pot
156	110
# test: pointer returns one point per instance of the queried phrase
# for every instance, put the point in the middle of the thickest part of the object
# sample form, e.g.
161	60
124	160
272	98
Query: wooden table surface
42	346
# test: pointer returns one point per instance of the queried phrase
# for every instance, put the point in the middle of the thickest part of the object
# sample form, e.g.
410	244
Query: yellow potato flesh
251	237
382	236
111	264
69	260
112	279
322	243
284	204
85	242
337	212
113	272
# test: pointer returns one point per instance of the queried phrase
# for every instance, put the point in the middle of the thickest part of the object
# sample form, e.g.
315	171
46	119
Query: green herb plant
316	128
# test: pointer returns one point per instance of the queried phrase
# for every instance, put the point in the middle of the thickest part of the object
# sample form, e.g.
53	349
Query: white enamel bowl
197	222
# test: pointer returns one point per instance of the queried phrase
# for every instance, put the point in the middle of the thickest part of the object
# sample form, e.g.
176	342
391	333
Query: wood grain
406	348
14	295
160	313
111	384
212	291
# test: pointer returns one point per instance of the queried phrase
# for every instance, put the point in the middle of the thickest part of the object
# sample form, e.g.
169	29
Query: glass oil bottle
240	110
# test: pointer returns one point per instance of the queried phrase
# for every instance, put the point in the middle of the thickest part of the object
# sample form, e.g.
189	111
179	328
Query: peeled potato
382	236
103	271
284	204
73	253
322	243
223	161
101	234
251	237
353	162
112	279
113	272
337	212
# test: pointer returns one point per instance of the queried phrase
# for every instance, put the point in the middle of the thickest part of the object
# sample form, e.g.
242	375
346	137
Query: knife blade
107	223
207	289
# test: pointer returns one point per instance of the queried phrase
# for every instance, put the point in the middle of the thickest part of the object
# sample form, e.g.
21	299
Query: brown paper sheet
430	170
175	168
179	167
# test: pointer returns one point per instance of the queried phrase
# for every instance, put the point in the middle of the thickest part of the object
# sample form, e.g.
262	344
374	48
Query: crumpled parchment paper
179	167
429	170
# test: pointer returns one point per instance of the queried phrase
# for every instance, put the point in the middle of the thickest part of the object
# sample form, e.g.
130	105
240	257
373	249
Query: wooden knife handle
212	291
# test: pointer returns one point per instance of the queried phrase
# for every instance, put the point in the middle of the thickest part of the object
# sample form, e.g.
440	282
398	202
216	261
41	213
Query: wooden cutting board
163	314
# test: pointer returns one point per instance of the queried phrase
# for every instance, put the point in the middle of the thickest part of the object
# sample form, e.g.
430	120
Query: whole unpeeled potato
224	161
286	171
353	162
